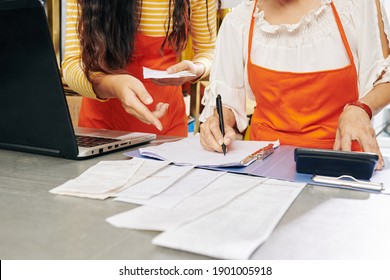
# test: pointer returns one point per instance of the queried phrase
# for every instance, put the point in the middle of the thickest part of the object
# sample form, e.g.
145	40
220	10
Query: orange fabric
111	115
300	109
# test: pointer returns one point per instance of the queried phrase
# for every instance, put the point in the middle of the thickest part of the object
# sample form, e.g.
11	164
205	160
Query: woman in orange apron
109	41
301	118
297	108
111	115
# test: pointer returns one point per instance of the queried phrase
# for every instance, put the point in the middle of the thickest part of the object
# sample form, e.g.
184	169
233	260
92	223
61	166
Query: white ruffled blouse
312	44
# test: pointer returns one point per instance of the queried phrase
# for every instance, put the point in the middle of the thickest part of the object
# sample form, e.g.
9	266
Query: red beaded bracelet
362	105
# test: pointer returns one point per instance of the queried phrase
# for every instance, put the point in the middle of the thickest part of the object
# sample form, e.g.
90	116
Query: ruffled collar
306	19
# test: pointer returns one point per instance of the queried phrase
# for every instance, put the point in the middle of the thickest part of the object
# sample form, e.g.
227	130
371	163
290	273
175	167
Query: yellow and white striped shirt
153	22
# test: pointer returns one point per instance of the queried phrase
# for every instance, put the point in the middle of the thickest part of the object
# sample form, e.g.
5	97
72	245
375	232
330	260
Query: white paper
215	195
191	183
237	229
157	182
100	179
161	74
189	151
149	167
336	225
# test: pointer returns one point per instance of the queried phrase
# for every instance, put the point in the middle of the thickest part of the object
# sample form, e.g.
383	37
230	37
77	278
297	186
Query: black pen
221	124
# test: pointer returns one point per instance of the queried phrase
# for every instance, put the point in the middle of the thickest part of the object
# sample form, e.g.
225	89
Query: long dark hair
107	30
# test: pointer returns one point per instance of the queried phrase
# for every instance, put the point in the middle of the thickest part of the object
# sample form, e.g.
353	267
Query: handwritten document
237	229
190	151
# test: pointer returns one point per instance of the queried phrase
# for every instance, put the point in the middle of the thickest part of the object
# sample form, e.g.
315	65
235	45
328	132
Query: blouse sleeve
373	68
204	33
227	76
72	70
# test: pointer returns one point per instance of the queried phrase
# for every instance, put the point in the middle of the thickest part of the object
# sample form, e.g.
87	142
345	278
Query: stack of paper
218	214
229	218
236	230
106	178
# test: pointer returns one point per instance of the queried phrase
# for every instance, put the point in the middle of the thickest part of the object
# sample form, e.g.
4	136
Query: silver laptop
34	115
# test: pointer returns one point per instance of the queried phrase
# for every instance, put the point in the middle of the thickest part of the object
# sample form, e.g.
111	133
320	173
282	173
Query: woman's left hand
354	124
184	65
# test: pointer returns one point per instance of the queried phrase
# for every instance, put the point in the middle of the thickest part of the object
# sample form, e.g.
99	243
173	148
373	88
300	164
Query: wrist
228	116
105	85
361	105
97	81
200	71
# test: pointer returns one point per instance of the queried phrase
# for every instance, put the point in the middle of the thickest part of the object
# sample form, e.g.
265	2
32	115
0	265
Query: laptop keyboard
92	141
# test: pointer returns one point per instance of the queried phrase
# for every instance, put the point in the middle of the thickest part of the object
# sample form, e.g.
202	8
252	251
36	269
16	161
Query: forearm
377	98
76	79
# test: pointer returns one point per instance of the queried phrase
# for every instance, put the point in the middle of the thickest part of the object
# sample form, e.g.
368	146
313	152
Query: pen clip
348	181
260	154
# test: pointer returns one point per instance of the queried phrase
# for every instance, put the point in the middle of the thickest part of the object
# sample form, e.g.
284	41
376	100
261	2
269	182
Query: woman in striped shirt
109	41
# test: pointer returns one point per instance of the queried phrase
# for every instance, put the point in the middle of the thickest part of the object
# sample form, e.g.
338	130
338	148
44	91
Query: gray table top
323	223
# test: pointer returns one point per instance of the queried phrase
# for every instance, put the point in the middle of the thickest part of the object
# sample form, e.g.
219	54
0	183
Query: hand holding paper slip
158	74
189	151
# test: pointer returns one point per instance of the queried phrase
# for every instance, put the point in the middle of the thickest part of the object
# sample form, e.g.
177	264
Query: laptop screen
34	116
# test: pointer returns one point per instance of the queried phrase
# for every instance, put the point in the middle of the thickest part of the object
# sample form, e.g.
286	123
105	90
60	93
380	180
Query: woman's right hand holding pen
132	94
210	133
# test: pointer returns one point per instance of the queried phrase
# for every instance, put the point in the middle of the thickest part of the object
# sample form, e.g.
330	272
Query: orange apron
111	115
301	109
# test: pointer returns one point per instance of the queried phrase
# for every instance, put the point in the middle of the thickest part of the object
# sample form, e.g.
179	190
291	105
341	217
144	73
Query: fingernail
148	100
158	126
220	142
